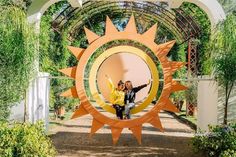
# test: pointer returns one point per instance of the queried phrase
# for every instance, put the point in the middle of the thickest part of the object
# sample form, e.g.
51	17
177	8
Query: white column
207	103
76	3
32	93
38	99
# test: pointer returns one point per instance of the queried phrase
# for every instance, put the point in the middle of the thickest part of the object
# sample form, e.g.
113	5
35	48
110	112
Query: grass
57	122
182	114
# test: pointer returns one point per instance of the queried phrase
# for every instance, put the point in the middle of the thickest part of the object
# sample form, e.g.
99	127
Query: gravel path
71	139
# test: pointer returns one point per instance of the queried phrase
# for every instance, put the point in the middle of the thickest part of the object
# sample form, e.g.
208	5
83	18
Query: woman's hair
120	83
130	83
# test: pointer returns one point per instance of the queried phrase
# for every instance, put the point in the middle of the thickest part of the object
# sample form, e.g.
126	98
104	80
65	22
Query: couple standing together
123	97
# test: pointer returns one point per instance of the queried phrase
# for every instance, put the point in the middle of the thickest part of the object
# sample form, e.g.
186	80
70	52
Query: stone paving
71	139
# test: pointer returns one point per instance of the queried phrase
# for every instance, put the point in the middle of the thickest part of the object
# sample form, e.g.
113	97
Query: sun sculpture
78	73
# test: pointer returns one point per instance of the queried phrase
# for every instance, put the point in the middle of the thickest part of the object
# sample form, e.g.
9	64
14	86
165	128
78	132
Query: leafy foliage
191	93
22	4
228	5
25	140
220	141
223	50
228	153
54	55
17	54
202	19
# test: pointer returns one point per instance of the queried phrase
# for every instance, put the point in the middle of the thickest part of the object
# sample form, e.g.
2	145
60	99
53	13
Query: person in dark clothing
130	94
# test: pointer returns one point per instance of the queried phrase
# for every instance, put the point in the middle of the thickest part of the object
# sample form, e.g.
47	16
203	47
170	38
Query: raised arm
110	83
112	88
137	89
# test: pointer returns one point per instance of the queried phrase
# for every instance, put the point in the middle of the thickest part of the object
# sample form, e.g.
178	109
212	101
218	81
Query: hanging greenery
17	55
54	55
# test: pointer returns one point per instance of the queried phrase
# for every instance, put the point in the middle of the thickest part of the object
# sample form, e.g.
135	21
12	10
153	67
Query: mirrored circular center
126	67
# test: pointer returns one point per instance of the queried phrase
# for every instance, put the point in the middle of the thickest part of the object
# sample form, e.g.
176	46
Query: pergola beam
212	8
38	7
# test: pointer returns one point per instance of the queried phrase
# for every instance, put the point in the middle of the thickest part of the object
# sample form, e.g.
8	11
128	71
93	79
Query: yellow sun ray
91	36
77	52
70	93
71	72
137	132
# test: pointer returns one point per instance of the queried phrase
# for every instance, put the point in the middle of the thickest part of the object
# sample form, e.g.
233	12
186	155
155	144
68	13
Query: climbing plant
17	55
205	27
54	55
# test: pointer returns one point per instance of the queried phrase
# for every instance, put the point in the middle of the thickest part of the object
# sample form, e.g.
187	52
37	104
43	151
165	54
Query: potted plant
178	99
191	98
59	107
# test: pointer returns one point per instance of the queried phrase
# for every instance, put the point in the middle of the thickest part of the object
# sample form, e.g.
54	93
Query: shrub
228	153
25	140
220	141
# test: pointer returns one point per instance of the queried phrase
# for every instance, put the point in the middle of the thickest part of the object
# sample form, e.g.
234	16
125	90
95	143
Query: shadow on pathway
71	139
79	144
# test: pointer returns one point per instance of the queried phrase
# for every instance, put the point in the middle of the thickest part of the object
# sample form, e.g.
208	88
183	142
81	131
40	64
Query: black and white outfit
130	98
119	110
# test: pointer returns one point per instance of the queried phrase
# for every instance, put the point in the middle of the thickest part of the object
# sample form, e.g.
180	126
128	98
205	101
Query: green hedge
25	140
219	142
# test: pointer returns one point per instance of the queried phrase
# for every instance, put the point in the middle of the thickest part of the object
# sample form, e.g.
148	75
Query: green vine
17	55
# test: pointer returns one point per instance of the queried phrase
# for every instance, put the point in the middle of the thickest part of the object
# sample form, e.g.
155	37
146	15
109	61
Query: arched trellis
183	30
213	9
180	26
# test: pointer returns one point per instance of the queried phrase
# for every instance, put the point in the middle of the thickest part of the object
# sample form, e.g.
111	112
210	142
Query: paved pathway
71	139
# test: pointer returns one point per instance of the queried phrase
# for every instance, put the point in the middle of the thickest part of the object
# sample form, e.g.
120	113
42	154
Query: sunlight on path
71	139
